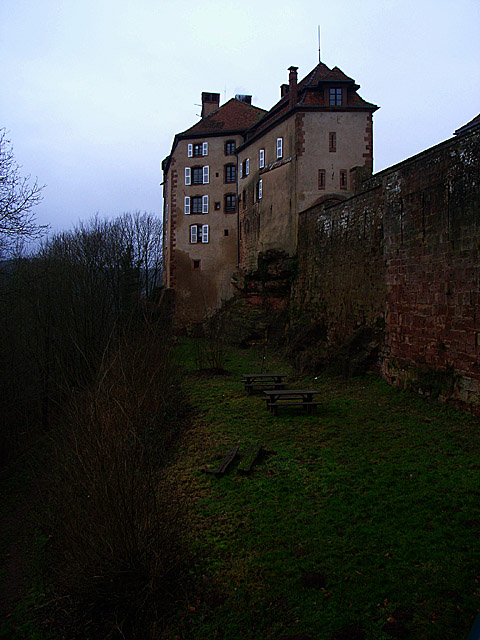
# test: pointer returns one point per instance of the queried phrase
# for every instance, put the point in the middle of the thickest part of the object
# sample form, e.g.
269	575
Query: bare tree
142	233
18	198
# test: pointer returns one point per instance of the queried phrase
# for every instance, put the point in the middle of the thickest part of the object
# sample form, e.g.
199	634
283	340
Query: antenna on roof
319	55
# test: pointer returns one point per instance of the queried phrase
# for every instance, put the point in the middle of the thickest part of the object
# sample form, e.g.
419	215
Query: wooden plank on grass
249	458
225	463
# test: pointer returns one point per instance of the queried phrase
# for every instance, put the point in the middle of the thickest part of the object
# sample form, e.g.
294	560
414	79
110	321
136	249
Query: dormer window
335	97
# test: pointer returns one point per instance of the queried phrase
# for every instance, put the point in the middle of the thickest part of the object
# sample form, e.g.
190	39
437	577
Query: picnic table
261	381
291	398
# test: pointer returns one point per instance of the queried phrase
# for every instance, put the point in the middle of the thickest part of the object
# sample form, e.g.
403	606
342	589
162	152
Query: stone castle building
236	182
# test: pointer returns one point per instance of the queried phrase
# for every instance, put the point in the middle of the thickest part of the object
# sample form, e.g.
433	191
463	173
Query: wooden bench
302	398
249	458
261	381
224	464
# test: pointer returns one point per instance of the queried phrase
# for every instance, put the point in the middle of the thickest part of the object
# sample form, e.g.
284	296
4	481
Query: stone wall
404	251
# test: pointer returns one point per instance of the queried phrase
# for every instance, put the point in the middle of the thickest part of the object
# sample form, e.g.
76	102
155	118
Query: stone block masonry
405	250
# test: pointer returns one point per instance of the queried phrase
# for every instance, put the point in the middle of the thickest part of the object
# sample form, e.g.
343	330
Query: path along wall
404	251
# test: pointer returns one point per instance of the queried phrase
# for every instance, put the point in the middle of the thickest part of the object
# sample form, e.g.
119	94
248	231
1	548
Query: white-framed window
194	150
241	170
204	204
188	176
187	205
279	148
166	211
259	189
261	158
198	233
247	166
206	174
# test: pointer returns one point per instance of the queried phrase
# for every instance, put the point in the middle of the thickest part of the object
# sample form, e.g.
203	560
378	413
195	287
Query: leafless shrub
210	348
115	528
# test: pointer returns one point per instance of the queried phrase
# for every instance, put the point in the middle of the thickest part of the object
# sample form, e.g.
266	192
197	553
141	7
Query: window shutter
260	189
187	205
193	234
190	150
241	170
204	204
188	176
205	149
205	175
261	158
279	148
205	233
247	166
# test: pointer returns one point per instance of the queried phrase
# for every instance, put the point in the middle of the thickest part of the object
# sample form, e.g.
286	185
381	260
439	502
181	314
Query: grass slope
363	522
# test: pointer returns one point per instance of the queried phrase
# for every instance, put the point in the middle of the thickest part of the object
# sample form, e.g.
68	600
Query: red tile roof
309	95
232	116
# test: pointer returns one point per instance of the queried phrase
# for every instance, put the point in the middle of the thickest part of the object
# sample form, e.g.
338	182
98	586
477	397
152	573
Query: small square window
225	232
217	206
196	265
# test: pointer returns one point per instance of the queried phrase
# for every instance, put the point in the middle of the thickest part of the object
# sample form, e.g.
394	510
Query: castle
235	182
391	259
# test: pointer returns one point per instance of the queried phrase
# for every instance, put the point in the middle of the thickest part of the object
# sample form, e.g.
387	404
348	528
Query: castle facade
235	182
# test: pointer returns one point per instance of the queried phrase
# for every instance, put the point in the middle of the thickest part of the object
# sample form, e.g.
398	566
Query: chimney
292	86
283	90
243	98
210	103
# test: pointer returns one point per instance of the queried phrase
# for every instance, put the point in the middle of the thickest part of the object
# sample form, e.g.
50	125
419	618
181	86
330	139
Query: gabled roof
322	73
233	116
311	95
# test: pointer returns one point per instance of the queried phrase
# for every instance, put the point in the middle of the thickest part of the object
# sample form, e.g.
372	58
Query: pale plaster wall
270	222
201	291
351	128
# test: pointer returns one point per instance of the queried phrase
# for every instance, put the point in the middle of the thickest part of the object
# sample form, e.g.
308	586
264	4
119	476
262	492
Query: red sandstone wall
406	248
431	239
341	281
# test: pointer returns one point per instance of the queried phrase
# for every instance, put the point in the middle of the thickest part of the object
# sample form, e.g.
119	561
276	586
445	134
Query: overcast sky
93	91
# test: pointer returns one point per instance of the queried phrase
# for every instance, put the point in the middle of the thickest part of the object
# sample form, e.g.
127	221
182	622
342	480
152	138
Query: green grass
378	493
